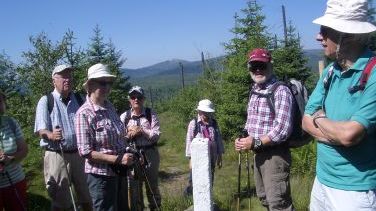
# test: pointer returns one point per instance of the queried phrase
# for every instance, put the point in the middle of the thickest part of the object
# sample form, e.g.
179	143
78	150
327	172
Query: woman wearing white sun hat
341	112
100	139
206	126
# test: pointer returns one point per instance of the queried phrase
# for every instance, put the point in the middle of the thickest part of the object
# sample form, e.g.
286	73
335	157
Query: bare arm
99	157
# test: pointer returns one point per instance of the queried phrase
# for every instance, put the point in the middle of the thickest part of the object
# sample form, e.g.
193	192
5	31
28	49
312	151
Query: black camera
243	133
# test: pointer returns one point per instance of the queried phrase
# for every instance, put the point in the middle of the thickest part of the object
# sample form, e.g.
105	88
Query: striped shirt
61	115
260	119
152	128
215	138
99	129
10	134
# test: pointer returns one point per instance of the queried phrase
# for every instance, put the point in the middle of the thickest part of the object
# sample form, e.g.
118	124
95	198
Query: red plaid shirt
98	129
260	119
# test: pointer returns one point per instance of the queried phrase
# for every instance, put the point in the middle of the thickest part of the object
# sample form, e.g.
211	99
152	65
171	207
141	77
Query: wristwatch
258	144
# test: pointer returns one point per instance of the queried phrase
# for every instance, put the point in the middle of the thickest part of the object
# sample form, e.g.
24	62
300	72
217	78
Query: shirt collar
265	85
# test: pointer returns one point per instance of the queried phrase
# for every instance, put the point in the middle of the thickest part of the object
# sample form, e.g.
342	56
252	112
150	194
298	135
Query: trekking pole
142	167
15	190
239	174
248	181
66	169
129	193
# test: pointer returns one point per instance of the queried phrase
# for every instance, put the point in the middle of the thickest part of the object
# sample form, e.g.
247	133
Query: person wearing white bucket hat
204	125
341	111
100	139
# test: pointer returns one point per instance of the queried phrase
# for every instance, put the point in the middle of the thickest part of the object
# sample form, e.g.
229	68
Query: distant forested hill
167	74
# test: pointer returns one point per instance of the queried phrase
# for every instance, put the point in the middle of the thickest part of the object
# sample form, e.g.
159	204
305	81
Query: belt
64	151
147	146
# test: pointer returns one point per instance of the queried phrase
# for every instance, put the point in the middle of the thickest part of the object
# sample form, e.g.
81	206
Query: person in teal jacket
341	115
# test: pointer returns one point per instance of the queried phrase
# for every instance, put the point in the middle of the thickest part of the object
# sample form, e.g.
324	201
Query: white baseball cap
137	89
348	16
205	106
61	68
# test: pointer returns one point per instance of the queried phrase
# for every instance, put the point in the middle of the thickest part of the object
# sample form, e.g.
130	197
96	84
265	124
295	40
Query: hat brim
346	26
266	60
112	77
205	109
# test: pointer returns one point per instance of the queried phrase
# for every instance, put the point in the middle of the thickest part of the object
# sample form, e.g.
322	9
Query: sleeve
220	146
189	138
42	119
83	133
282	123
366	112
18	132
315	100
154	131
247	123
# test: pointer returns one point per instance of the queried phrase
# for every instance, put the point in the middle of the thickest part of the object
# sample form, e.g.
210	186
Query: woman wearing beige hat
100	139
341	112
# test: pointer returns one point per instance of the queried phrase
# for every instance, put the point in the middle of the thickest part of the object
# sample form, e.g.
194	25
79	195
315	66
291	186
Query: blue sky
146	31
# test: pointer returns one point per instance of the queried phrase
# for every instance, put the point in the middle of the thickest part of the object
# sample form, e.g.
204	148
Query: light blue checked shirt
62	115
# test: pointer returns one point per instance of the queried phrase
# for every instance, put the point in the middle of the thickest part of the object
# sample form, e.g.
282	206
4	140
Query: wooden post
151	97
284	24
182	74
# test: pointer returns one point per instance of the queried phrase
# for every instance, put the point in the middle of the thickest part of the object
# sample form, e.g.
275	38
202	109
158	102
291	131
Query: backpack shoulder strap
197	128
270	95
79	99
50	102
148	114
127	117
367	72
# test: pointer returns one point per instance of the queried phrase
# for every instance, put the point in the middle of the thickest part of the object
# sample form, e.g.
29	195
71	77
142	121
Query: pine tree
106	53
250	32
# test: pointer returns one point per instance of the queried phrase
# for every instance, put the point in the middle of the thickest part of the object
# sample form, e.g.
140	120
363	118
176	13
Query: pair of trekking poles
140	166
239	193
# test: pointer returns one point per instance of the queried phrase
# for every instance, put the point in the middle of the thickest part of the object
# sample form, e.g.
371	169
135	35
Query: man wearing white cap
54	123
341	112
143	131
204	125
100	140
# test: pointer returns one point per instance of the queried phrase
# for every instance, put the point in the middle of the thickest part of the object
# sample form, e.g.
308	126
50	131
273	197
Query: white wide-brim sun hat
348	16
205	106
98	71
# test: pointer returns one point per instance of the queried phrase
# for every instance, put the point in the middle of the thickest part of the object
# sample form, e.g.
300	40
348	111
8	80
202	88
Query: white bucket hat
205	106
98	71
348	16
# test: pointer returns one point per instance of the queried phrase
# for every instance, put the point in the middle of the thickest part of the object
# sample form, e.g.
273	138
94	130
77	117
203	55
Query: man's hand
244	143
5	159
134	131
55	135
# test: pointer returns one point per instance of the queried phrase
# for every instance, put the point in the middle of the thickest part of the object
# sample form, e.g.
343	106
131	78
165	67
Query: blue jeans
103	191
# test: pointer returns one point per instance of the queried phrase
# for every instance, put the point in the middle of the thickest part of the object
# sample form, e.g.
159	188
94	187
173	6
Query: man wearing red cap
268	128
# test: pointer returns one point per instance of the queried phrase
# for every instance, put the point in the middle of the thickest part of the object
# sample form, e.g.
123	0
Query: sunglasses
104	83
139	97
326	31
254	66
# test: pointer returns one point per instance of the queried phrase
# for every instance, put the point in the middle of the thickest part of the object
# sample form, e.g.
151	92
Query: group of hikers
107	158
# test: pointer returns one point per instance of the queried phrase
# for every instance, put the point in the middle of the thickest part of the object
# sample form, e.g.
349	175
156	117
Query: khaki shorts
56	179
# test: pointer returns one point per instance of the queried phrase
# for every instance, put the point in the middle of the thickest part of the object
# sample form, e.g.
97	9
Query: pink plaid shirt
98	129
260	119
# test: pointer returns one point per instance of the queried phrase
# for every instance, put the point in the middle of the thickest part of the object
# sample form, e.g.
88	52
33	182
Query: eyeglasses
104	83
137	97
254	66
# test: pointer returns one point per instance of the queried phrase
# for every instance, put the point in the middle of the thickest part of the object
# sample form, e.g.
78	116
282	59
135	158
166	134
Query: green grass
174	173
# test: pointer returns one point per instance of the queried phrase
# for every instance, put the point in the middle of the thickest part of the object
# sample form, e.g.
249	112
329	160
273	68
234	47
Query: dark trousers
104	191
272	175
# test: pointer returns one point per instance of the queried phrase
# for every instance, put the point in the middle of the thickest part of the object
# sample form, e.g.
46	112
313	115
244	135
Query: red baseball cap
260	55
